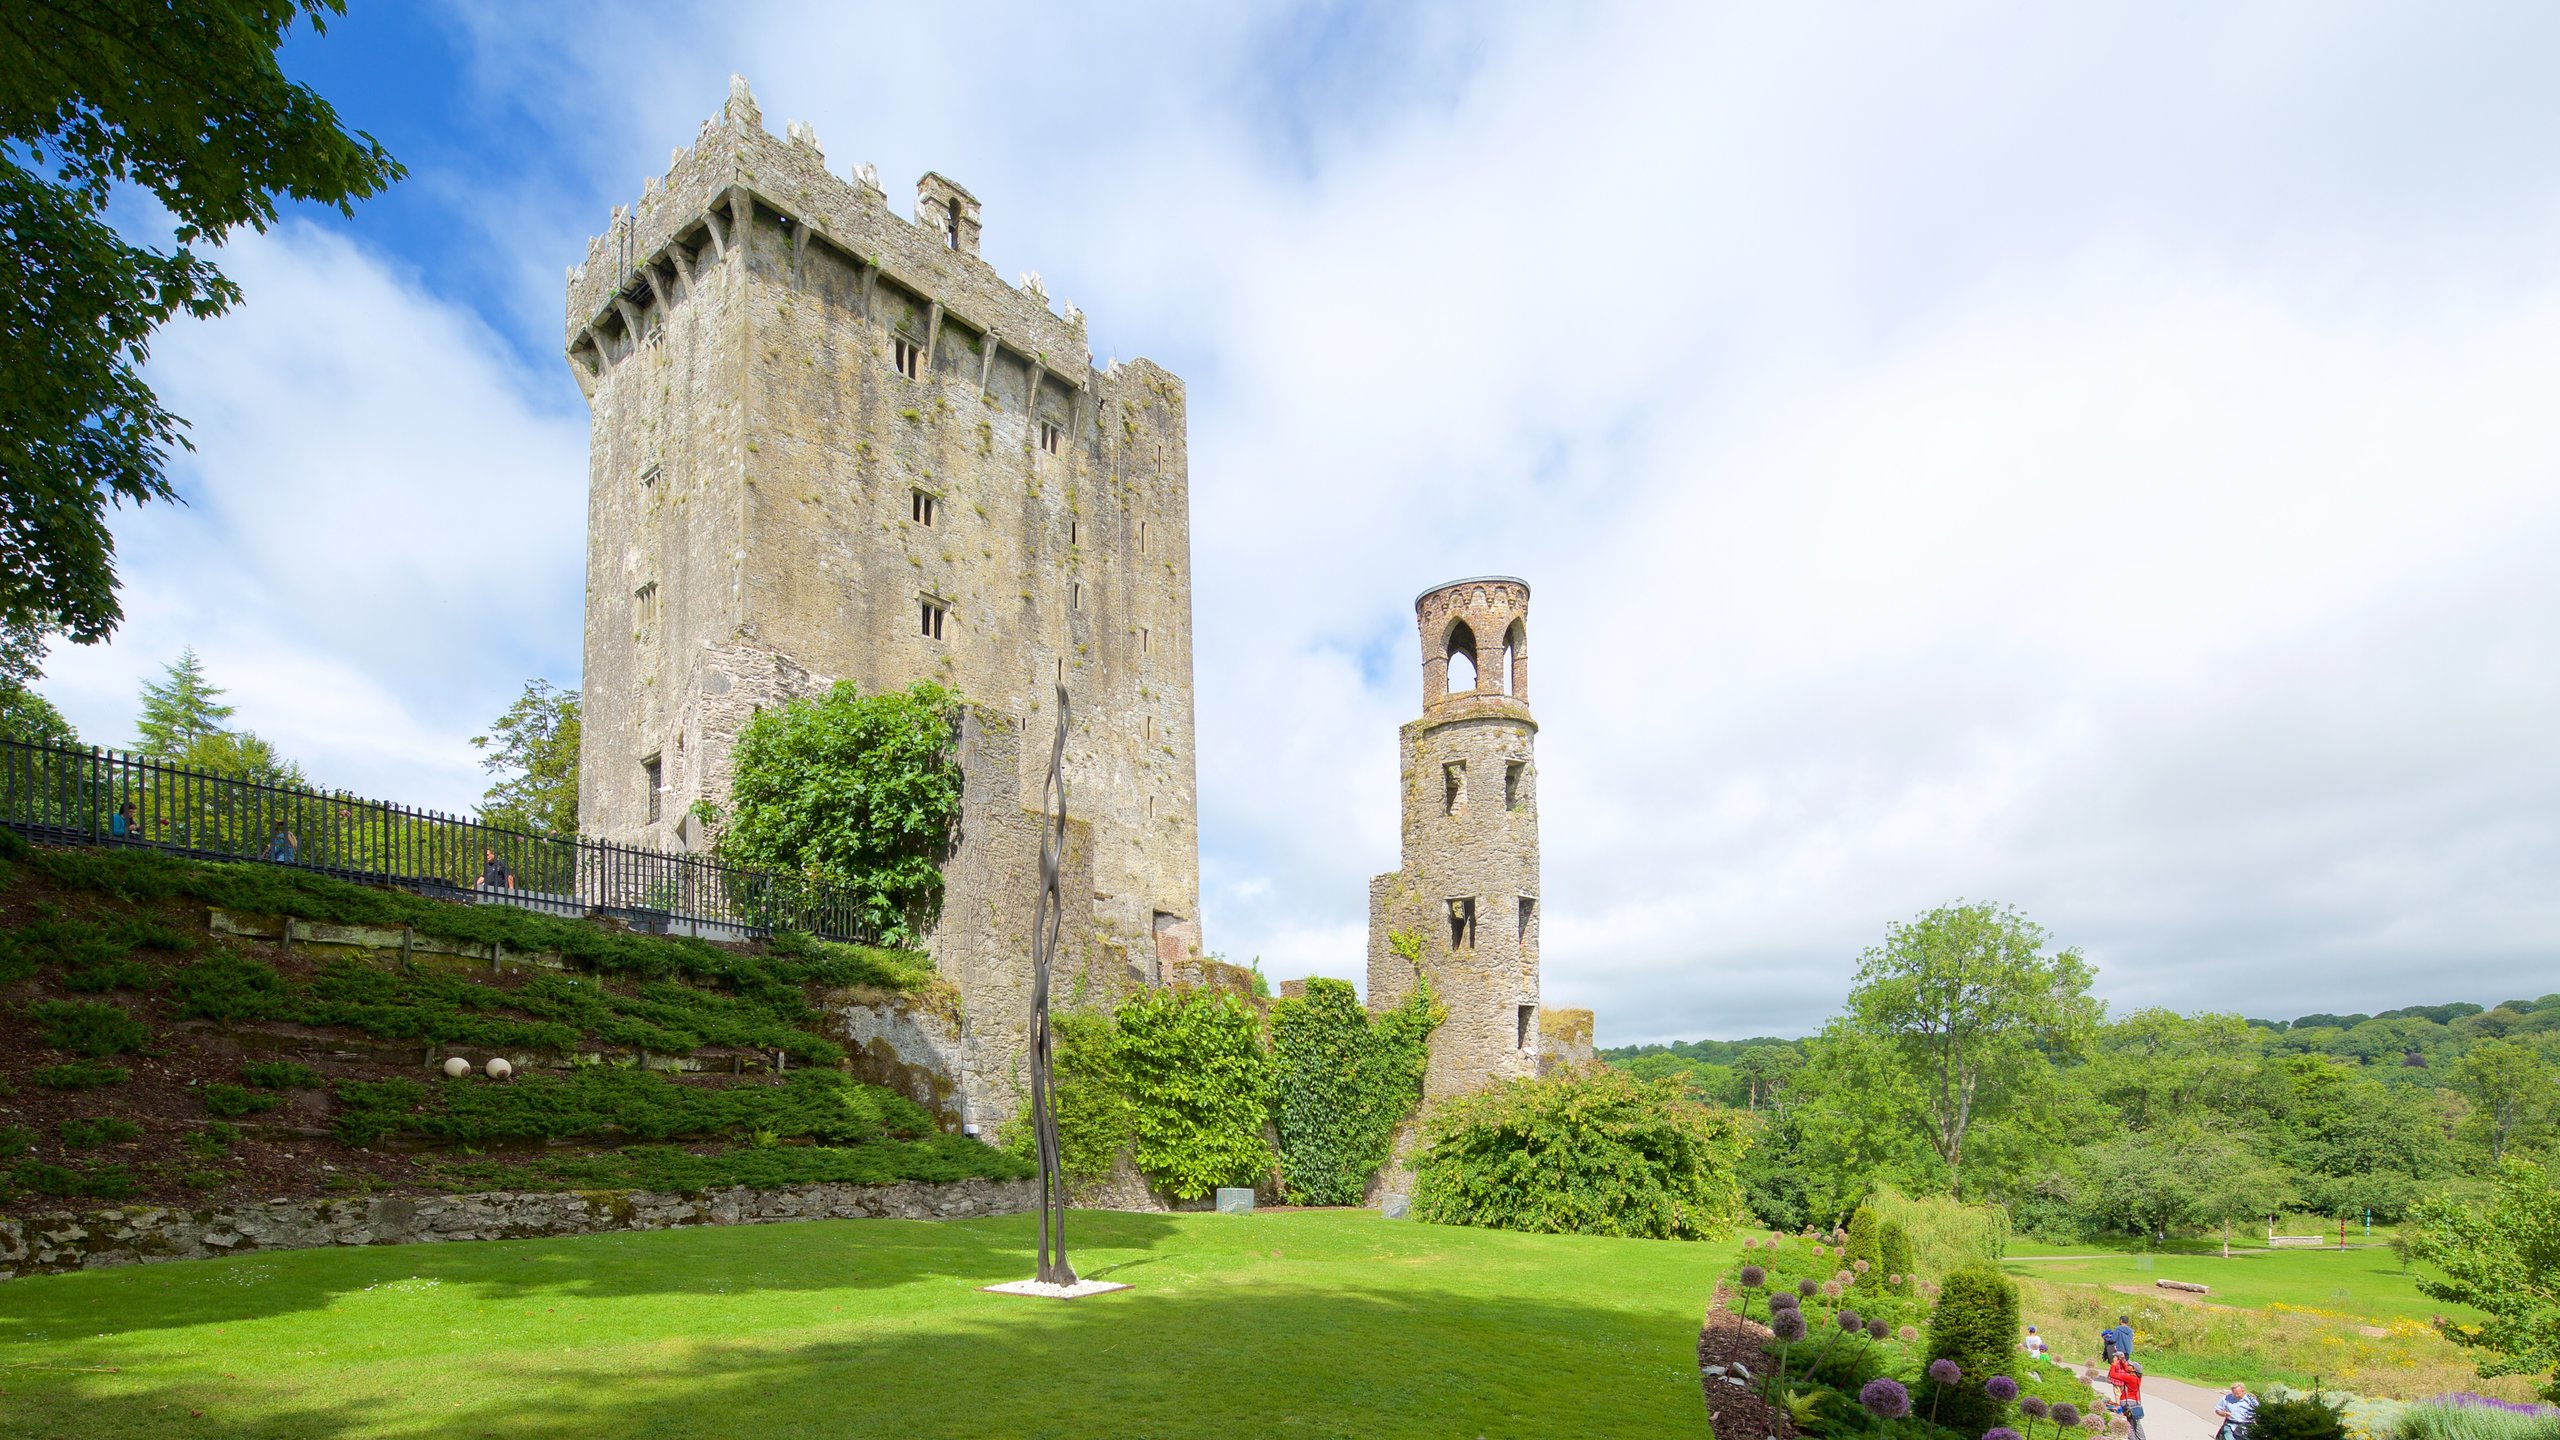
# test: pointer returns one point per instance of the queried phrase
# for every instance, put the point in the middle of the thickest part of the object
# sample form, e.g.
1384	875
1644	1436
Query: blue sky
2094	458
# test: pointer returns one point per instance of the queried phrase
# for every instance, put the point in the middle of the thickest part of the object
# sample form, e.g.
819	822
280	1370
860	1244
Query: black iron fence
111	797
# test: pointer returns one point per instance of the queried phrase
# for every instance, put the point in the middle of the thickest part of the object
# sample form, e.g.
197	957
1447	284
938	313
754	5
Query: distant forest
2147	1123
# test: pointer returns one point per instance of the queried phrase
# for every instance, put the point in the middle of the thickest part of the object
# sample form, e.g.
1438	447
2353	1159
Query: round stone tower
1463	908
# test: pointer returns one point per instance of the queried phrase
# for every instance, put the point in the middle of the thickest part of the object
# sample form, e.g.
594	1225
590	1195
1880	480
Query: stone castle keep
830	443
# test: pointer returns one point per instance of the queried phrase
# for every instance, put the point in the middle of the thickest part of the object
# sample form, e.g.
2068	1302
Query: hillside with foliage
148	1054
2151	1123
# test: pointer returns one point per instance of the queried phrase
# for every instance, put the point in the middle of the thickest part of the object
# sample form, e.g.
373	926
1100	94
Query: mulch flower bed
1731	1349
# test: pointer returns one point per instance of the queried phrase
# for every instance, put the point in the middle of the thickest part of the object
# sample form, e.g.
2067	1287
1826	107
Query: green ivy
1342	1083
1591	1153
1095	1119
1199	1086
851	790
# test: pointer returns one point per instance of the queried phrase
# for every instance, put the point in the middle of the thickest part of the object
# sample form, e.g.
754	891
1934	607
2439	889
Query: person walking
2127	1378
2239	1410
284	847
2034	1343
2116	1339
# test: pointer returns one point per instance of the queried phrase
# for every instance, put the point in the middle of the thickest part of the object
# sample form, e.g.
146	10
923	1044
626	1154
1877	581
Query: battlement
735	171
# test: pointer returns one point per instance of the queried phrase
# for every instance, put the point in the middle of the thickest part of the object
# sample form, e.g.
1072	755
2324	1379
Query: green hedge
1594	1153
1975	1324
614	1101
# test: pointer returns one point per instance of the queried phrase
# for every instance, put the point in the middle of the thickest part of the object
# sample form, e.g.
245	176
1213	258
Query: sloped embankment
194	1034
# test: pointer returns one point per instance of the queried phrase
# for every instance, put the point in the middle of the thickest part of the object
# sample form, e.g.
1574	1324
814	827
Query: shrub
937	1158
1199	1085
90	1134
105	1182
224	986
1945	1232
280	1075
1342	1083
224	1098
1976	1326
608	1100
80	1075
1866	1242
1095	1119
88	1027
2299	1417
1596	1153
2475	1417
15	1140
1895	1245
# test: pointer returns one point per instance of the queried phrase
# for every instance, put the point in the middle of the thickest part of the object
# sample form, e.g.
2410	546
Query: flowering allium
1843	1276
1782	1300
2066	1414
1885	1399
1752	1277
1808	1286
1831	1291
1999	1432
1787	1325
1945	1372
1858	1265
2033	1406
1751	1242
2094	1424
1894	1281
1877	1329
1908	1333
2001	1388
1848	1320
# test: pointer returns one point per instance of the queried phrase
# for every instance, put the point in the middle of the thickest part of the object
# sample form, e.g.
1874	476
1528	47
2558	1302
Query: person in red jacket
2126	1376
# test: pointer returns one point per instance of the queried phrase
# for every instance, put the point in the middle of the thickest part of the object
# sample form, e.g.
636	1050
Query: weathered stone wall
1468	887
140	1234
1564	1041
781	372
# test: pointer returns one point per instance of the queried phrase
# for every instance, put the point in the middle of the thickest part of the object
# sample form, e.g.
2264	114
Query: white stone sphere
499	1069
456	1066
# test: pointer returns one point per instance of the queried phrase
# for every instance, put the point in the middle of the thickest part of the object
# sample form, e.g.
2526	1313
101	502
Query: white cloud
383	533
2086	458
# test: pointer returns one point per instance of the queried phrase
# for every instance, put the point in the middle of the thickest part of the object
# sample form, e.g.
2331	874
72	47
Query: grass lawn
2352	1282
1316	1323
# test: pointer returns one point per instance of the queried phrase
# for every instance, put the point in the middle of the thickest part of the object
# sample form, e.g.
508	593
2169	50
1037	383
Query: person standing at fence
494	874
125	825
284	847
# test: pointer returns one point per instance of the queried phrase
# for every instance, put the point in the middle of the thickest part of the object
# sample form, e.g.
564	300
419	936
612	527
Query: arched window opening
1515	659
1462	658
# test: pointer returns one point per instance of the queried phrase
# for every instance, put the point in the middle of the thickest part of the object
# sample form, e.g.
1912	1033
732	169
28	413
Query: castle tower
1467	892
831	443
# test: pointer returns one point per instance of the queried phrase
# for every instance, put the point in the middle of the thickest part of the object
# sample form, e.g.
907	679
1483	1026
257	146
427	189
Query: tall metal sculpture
1047	921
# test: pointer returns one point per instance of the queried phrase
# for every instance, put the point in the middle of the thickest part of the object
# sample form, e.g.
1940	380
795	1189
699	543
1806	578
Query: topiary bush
1343	1082
1591	1153
1866	1251
2299	1417
1976	1326
1895	1246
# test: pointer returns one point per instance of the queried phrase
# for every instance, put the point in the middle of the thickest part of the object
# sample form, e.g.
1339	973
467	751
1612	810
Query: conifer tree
180	709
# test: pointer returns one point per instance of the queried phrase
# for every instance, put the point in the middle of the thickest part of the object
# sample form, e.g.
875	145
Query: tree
179	709
2503	1260
184	100
533	749
2153	1182
854	791
1593	1152
1969	999
28	716
240	755
1765	1069
2510	1089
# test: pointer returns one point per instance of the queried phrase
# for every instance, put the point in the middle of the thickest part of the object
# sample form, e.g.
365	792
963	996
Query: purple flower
2066	1414
1787	1325
1877	1329
1753	1277
1908	1333
1808	1287
1885	1399
2034	1407
1858	1265
1999	1432
2001	1388
1831	1291
2094	1424
1848	1320
1945	1372
1782	1300
1843	1276
1751	1242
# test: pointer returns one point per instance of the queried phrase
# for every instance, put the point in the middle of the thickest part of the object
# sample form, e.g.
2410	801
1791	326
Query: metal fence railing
64	795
